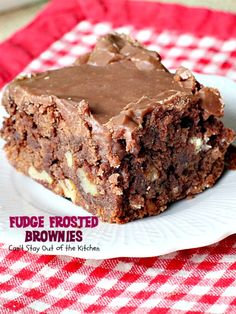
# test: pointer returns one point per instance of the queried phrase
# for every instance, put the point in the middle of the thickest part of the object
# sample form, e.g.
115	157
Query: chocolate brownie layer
117	133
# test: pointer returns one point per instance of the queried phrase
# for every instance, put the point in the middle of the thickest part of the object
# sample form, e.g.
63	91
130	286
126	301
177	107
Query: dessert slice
117	133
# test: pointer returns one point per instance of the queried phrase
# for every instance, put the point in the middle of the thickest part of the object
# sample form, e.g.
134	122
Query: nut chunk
116	132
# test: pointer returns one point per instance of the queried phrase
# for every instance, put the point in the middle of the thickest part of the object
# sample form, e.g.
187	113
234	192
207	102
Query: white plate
208	218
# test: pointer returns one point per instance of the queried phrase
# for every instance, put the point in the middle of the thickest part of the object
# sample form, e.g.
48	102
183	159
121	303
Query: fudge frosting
115	77
117	72
107	89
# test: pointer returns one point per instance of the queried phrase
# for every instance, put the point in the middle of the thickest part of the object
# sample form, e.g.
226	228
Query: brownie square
116	132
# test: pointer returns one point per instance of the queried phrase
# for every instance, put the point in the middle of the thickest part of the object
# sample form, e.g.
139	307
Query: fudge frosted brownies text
116	132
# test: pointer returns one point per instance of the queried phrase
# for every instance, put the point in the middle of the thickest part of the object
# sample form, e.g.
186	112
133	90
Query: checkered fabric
192	281
201	54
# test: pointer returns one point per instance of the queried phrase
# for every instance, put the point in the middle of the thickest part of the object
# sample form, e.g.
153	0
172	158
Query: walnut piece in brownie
116	132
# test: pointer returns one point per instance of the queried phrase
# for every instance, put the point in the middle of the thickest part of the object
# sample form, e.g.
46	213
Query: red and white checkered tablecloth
191	281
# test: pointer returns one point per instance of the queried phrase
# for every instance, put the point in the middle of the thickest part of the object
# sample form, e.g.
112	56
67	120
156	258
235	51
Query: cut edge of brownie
155	151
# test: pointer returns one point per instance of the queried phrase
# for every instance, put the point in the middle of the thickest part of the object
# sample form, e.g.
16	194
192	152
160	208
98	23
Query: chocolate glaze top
107	89
119	71
113	80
